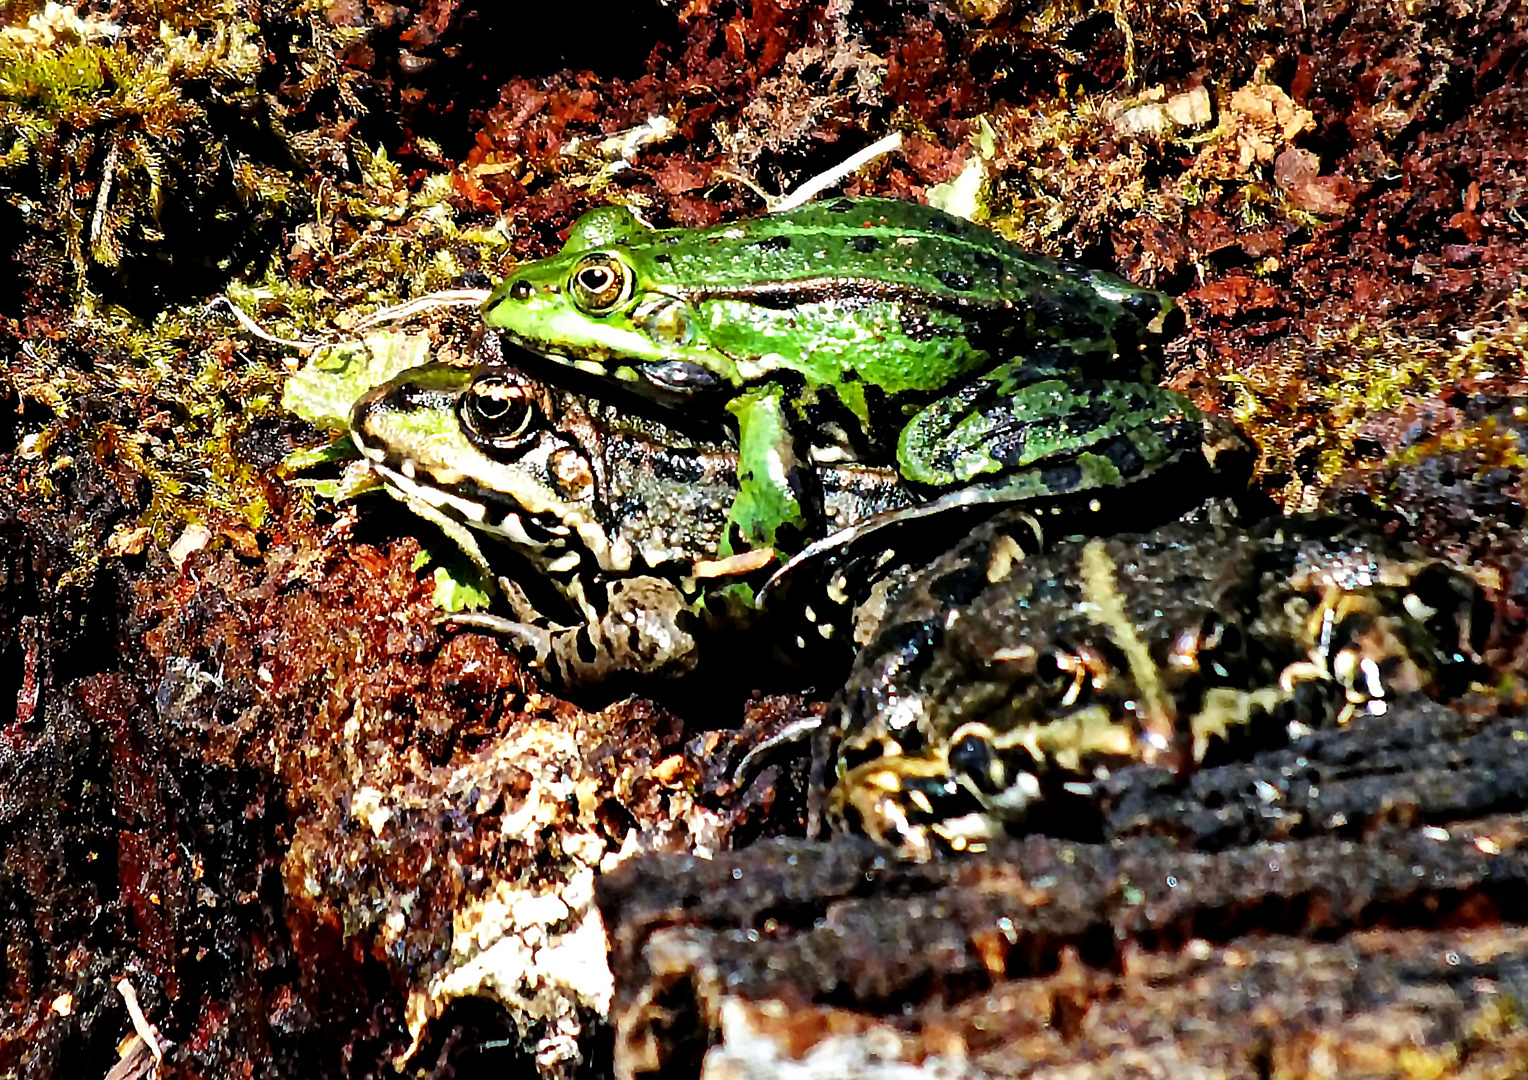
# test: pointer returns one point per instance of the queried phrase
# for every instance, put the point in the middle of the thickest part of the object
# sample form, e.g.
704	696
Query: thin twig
810	190
427	302
103	196
739	178
261	332
141	1023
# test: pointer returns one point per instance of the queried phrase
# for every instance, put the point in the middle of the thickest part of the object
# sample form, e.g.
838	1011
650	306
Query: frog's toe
957	797
555	652
914	805
529	639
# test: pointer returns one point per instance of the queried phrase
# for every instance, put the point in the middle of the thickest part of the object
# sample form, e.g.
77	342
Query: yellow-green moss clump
1309	407
156	157
102	128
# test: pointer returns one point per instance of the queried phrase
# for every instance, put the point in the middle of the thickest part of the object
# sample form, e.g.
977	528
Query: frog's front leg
771	494
1044	438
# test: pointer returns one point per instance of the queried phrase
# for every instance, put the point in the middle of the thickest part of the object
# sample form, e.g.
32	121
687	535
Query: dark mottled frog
622	515
998	681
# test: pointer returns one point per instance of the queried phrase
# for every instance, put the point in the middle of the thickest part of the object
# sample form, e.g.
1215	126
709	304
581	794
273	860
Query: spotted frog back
1000	682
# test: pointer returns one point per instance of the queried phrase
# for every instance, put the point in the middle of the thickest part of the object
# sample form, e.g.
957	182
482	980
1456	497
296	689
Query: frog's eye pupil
600	284
596	279
497	412
492	408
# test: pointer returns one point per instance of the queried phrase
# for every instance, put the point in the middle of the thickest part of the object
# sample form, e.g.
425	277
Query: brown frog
1001	680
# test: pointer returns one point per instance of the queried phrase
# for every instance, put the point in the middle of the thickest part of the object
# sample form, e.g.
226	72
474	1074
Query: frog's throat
593	357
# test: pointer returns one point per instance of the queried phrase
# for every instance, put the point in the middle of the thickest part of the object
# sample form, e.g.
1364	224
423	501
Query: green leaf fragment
455	594
962	195
322	392
324	389
339	450
460	584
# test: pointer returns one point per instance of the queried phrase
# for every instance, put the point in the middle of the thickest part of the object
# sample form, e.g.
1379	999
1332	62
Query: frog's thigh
768	475
1120	428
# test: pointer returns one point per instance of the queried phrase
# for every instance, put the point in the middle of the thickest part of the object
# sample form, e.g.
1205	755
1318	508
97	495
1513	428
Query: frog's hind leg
1067	442
997	427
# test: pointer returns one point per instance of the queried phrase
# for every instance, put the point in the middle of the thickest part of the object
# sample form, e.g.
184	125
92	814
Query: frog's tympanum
868	330
621	514
998	681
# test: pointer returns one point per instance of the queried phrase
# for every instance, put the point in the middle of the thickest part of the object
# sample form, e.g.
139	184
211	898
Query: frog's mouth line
594	360
529	532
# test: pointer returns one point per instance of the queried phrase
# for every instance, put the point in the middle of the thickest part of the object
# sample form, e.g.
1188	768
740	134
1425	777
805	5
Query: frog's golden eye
600	284
497	412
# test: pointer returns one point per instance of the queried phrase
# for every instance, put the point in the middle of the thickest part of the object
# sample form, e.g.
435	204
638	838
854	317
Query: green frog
620	514
1001	684
867	330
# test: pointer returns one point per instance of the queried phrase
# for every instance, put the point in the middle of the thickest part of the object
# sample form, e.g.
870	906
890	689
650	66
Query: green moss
1308	406
100	128
52	88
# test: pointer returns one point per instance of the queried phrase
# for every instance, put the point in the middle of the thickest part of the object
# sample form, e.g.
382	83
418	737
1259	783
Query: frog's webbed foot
950	796
915	805
957	795
643	630
1374	644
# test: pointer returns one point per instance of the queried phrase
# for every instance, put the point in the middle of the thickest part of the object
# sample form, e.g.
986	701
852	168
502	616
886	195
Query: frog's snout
363	416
